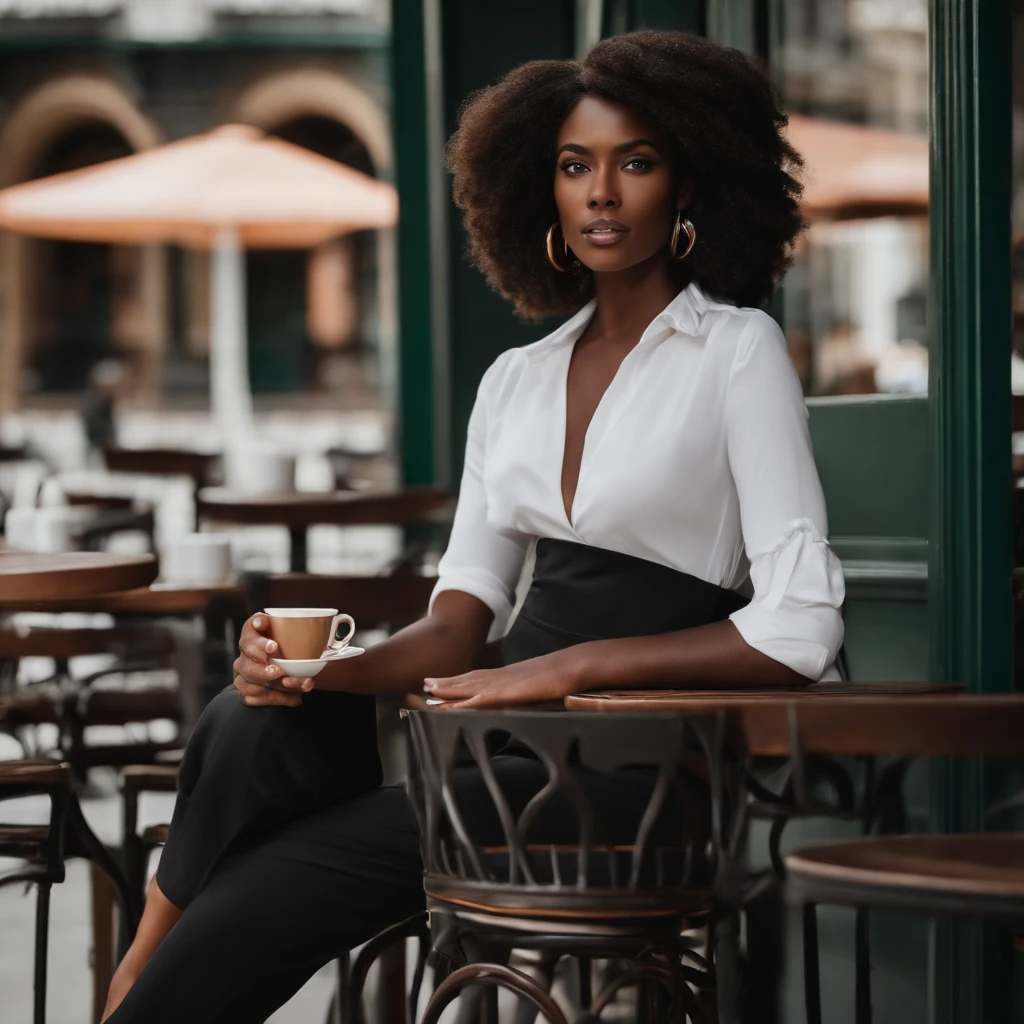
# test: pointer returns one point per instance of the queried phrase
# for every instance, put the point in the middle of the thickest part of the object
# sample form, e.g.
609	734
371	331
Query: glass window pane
854	78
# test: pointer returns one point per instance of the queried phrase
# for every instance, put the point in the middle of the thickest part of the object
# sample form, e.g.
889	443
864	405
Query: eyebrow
571	147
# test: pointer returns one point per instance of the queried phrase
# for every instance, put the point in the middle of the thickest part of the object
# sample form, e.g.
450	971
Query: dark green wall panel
409	120
481	43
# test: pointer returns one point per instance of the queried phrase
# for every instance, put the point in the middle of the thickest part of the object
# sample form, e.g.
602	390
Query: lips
605	232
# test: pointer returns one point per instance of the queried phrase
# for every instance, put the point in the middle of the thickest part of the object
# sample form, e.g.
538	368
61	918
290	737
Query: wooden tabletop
158	599
27	578
340	508
908	723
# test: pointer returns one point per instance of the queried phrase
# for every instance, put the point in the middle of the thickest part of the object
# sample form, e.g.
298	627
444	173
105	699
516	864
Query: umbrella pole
230	392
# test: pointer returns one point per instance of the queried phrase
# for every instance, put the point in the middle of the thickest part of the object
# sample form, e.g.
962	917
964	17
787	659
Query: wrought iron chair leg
493	975
583	983
862	960
489	1005
42	942
412	927
646	977
727	967
763	962
339	998
812	975
417	979
95	851
525	1013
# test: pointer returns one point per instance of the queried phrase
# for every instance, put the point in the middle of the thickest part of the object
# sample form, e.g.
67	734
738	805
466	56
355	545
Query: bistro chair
202	467
979	876
73	703
584	898
114	515
42	850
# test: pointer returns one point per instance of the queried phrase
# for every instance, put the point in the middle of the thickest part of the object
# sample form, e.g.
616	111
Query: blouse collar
685	314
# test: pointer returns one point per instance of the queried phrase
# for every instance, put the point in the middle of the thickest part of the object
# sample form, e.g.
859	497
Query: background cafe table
298	510
158	599
871	720
27	578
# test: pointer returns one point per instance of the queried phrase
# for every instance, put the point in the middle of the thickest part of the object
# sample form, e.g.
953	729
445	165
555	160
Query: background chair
42	850
72	703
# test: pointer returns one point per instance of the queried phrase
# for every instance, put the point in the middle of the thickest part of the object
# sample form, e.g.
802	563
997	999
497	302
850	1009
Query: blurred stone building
83	81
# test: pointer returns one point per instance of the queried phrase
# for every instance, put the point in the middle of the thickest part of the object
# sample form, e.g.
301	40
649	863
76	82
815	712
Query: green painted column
970	559
626	15
735	23
415	306
482	42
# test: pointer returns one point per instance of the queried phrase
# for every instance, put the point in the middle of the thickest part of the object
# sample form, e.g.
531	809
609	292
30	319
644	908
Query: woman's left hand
548	678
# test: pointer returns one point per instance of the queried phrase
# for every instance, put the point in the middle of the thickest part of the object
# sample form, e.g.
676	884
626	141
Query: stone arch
34	124
289	94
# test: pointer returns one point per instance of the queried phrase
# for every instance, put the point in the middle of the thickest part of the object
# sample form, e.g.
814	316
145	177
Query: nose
603	194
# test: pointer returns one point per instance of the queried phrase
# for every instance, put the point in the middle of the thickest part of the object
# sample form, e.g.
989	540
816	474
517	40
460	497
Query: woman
656	448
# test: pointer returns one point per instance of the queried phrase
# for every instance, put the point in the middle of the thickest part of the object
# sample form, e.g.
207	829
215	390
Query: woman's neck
628	300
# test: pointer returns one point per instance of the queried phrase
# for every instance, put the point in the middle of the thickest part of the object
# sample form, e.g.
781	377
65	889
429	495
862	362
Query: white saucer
307	668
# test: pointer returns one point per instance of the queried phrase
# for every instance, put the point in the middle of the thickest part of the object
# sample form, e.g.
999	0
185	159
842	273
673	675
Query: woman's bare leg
159	916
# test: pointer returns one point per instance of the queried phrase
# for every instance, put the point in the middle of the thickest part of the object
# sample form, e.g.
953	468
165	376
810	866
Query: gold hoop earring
549	240
690	231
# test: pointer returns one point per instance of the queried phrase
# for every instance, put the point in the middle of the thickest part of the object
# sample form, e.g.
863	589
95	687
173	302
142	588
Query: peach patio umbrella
229	189
853	171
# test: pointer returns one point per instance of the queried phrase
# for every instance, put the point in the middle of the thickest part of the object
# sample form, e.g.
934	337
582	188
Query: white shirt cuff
799	588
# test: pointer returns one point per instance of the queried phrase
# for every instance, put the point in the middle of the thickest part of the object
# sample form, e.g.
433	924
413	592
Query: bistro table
27	577
908	720
298	510
867	721
160	598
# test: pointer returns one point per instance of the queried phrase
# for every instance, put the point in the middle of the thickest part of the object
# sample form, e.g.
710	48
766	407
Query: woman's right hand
260	684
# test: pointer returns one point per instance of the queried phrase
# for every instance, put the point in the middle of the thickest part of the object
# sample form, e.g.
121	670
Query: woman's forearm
448	642
714	657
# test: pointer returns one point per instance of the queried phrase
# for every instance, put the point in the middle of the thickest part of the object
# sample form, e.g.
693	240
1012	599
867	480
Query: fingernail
257	623
271	647
250	700
429	684
307	685
271	670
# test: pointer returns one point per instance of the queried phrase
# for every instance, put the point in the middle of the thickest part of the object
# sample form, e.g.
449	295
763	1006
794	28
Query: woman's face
615	189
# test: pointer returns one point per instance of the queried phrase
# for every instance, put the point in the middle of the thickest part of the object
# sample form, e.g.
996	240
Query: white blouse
698	457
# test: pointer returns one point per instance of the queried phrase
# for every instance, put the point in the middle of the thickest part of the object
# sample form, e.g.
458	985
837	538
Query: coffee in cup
303	634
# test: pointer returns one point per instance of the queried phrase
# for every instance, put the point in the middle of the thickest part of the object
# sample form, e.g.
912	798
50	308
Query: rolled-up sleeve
480	559
794	616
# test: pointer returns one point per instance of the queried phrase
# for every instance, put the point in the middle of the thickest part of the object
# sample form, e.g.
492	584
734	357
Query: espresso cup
303	634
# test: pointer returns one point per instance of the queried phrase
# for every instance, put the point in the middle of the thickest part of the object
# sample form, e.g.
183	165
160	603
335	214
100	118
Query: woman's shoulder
742	333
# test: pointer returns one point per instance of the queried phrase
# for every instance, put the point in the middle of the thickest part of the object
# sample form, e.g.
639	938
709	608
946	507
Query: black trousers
284	851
